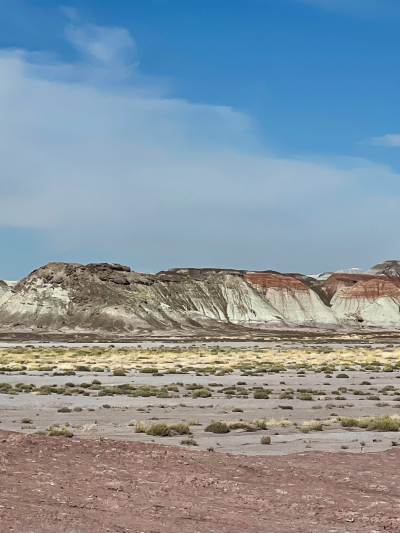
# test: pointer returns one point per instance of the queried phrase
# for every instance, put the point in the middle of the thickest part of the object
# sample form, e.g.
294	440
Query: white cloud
391	140
163	182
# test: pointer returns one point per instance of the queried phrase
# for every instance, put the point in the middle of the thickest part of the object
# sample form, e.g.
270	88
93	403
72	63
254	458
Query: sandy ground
64	485
110	479
109	416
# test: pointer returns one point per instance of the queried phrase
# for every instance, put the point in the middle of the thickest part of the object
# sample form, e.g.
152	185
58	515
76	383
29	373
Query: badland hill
103	297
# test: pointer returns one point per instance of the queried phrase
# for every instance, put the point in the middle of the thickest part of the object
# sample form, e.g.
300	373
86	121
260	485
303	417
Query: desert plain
267	417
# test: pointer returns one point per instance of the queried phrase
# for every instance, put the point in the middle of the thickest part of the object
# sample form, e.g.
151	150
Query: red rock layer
265	280
364	285
372	289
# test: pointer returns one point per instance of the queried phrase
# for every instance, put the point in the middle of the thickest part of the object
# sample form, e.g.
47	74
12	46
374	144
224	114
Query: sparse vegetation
159	430
189	442
217	427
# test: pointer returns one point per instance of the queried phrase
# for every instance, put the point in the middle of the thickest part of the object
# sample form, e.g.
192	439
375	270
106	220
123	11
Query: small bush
261	394
217	427
119	372
349	422
260	423
159	430
240	424
201	393
383	423
82	368
266	439
140	427
189	442
64	410
305	396
180	429
62	432
315	426
26	421
342	375
194	423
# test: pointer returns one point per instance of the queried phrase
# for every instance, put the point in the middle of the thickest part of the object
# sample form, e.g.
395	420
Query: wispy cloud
164	182
391	140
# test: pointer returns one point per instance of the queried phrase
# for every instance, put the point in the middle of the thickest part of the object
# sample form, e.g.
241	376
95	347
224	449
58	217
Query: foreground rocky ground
55	484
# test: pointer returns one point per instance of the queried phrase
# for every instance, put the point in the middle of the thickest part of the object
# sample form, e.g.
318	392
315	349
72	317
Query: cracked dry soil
55	484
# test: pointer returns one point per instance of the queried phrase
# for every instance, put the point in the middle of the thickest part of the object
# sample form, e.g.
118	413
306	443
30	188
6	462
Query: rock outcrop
111	297
3	287
388	268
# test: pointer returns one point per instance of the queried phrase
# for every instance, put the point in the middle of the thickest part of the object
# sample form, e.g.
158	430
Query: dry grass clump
159	430
283	422
189	442
140	426
217	426
194	423
216	360
312	425
63	431
266	439
119	372
241	424
202	393
180	429
89	428
377	423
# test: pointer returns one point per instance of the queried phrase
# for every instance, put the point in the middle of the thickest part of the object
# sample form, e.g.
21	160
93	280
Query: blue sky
236	133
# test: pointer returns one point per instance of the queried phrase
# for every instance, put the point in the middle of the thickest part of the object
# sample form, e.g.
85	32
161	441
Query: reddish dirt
265	280
64	485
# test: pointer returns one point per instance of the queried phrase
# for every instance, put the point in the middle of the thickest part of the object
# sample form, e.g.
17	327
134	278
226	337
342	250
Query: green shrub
241	424
159	430
64	410
217	427
349	422
180	429
62	432
342	375
261	394
266	439
119	372
82	368
305	396
201	393
383	423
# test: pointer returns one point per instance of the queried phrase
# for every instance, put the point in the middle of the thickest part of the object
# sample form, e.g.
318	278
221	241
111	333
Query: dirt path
64	485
